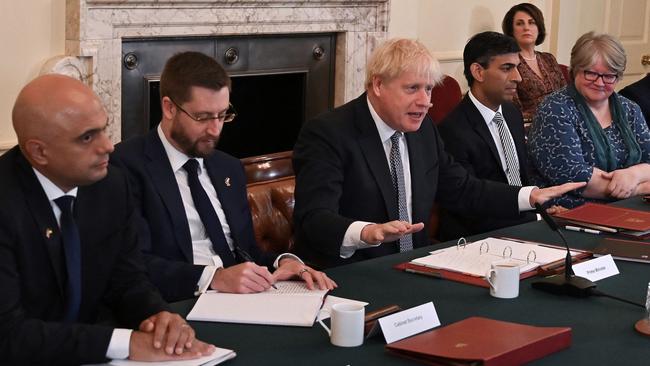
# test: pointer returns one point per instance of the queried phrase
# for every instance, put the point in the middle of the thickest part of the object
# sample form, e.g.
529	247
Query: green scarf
605	158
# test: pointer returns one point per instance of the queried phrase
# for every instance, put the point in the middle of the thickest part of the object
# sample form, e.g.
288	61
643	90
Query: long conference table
602	329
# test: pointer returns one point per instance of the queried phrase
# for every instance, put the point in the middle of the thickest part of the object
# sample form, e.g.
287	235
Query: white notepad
292	304
220	355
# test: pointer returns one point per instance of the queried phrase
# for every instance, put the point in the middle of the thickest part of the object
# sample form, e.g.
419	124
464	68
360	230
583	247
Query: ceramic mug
503	278
346	321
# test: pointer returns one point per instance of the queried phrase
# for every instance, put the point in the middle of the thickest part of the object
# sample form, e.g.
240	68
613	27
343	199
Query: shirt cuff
352	239
118	347
524	198
276	263
205	280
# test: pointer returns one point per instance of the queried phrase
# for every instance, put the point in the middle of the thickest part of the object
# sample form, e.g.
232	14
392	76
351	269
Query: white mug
347	321
503	278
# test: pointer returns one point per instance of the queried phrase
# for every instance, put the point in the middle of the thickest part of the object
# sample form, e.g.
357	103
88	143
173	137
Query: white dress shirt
488	115
118	347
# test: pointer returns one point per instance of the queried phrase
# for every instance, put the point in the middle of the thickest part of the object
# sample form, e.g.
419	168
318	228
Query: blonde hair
591	46
398	55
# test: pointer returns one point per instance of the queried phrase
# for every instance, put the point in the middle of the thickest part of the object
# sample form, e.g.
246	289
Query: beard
199	148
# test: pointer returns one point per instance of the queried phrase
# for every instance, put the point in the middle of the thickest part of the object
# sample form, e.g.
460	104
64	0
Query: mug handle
329	332
488	276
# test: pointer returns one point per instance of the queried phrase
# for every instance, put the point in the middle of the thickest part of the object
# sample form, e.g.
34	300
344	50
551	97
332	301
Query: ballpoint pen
245	256
582	230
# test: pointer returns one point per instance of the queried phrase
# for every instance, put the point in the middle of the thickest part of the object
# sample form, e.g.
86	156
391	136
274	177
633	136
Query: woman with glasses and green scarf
587	132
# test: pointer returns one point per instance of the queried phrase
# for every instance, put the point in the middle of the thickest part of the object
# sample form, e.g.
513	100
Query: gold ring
300	273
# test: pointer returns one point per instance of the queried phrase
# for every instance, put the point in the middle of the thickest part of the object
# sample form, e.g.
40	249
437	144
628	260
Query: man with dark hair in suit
368	172
197	229
69	257
485	132
639	92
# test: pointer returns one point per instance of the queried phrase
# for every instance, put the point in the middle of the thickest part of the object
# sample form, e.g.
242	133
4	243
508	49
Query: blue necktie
397	173
512	163
72	251
208	215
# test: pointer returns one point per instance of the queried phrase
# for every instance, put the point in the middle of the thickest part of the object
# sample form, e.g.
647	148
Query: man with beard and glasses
197	230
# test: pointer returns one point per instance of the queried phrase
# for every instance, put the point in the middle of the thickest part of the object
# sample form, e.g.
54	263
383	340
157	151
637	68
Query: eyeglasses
593	76
225	117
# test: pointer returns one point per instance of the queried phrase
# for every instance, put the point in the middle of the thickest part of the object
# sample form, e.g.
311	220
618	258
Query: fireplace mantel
95	30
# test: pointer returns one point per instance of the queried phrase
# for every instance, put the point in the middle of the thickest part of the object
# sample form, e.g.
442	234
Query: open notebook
476	258
292	304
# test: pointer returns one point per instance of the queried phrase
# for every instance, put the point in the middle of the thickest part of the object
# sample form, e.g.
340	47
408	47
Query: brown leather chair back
270	185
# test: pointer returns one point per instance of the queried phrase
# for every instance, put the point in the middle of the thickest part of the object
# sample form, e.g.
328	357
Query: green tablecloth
603	329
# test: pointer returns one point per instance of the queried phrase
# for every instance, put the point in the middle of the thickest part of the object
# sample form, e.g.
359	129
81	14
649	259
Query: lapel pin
48	232
227	181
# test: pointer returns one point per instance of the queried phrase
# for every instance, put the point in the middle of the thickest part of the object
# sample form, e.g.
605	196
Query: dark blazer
342	175
639	93
33	275
467	138
164	231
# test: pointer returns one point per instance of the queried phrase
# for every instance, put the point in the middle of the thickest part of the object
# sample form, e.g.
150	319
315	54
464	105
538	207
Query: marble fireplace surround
95	29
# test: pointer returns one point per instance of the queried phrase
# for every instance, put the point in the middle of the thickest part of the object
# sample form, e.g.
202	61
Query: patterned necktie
397	172
72	253
207	213
512	163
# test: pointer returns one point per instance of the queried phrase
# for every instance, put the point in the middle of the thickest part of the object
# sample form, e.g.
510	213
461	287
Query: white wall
31	31
445	26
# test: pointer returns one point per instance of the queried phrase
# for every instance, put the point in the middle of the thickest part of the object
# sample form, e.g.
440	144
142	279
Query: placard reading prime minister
368	172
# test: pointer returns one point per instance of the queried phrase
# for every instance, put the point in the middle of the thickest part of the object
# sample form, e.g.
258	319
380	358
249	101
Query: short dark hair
482	47
187	69
534	13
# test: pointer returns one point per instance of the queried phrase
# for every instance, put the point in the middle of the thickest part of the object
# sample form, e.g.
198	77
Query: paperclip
505	250
528	256
461	241
487	247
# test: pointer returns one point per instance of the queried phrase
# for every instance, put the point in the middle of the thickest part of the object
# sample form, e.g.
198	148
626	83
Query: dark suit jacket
33	275
639	93
164	230
468	139
342	175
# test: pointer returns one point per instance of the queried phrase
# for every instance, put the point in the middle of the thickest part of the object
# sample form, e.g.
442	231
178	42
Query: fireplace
278	81
100	32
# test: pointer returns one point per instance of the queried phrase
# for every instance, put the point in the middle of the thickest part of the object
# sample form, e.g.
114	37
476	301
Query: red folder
482	341
610	216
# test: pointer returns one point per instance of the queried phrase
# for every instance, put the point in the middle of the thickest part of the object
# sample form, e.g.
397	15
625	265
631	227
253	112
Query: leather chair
270	186
444	97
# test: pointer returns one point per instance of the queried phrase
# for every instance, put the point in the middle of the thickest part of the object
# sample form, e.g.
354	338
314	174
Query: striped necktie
512	163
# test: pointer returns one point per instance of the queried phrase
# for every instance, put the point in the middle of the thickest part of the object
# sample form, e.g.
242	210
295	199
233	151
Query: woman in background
540	72
586	132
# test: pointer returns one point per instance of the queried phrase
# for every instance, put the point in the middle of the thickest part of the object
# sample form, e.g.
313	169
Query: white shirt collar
385	131
176	158
52	190
487	113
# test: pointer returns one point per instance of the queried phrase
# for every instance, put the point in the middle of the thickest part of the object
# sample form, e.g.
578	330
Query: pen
582	230
245	256
430	274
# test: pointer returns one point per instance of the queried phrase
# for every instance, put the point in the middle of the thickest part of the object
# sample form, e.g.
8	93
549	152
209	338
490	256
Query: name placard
596	269
409	322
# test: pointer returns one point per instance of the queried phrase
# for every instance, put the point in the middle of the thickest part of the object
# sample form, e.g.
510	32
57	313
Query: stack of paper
220	355
476	258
